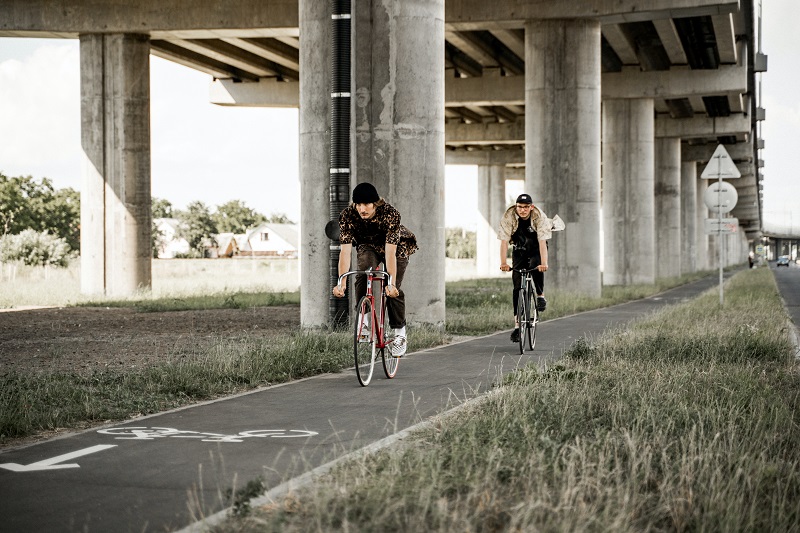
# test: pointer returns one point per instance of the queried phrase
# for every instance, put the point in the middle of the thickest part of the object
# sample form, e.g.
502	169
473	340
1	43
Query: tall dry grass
686	421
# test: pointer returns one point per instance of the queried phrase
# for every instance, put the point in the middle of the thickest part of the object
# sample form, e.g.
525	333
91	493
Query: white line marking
51	464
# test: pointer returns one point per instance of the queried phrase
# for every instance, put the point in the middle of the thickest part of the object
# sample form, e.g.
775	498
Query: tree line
41	224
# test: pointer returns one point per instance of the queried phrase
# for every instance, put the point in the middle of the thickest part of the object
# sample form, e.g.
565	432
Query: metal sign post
722	199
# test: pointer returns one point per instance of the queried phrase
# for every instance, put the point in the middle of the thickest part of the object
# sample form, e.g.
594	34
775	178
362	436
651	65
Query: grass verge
688	420
482	306
214	300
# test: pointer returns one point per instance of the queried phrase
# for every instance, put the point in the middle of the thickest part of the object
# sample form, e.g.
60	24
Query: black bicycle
527	314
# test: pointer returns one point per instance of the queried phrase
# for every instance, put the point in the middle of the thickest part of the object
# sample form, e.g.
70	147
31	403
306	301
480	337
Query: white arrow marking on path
50	464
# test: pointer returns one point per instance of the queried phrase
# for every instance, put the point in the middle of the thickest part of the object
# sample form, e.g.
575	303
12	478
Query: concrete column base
628	184
562	144
704	258
491	205
688	217
668	207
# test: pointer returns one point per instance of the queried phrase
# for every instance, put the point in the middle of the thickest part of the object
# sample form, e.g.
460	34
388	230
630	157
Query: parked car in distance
783	261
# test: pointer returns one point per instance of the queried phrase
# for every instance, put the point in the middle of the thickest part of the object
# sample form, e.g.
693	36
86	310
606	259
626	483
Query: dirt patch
80	339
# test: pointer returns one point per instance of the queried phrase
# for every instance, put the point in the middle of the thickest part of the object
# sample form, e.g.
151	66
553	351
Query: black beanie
365	193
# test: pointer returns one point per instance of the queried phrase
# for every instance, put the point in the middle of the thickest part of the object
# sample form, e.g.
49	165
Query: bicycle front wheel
364	337
390	363
522	319
533	319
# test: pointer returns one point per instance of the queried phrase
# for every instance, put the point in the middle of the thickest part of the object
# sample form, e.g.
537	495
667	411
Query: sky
201	151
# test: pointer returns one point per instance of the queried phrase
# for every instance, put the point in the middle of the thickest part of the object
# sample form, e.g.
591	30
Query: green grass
688	420
219	300
482	306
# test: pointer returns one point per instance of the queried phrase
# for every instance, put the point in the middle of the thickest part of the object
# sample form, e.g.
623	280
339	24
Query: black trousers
395	307
520	260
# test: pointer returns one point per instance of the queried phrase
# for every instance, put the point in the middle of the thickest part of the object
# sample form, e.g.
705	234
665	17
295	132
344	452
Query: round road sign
720	197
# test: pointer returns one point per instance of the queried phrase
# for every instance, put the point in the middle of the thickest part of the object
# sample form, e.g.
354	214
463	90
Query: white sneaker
399	345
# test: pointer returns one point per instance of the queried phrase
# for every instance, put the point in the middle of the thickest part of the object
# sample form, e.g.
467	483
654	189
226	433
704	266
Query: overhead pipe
339	188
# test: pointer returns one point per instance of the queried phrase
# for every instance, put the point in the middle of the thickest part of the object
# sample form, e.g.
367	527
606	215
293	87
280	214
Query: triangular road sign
720	166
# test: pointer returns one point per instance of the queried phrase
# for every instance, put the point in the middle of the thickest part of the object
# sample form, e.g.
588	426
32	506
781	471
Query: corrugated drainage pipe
340	143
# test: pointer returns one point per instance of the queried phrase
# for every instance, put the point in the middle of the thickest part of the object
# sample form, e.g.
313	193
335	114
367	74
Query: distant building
265	240
226	245
268	239
169	245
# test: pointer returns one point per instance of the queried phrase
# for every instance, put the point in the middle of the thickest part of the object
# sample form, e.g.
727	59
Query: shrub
35	249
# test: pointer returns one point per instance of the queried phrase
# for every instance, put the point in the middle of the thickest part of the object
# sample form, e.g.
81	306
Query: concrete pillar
562	144
398	118
628	185
115	136
668	207
315	61
491	205
688	217
704	261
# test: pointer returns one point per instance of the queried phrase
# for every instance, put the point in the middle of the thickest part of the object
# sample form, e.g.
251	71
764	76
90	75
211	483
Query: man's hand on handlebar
542	268
338	291
392	291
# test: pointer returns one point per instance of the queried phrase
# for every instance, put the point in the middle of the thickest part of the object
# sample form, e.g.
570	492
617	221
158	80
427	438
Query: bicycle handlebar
525	270
370	272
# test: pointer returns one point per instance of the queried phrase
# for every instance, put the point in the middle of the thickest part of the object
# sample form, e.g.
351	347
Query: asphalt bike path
788	281
166	471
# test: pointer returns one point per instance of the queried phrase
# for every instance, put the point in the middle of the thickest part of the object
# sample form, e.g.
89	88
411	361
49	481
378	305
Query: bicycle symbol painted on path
144	433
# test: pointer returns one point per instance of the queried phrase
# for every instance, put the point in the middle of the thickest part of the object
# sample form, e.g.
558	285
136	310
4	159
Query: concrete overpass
601	104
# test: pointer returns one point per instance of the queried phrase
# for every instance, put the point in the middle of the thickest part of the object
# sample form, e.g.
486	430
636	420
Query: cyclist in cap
374	227
527	228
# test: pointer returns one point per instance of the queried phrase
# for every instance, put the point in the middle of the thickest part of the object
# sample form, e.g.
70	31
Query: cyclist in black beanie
374	227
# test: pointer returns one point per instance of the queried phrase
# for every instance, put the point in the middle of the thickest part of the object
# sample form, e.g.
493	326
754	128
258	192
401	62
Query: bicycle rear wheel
364	337
522	320
390	363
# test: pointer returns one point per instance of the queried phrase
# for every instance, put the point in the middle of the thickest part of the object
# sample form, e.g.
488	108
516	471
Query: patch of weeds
581	350
230	302
562	373
241	498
